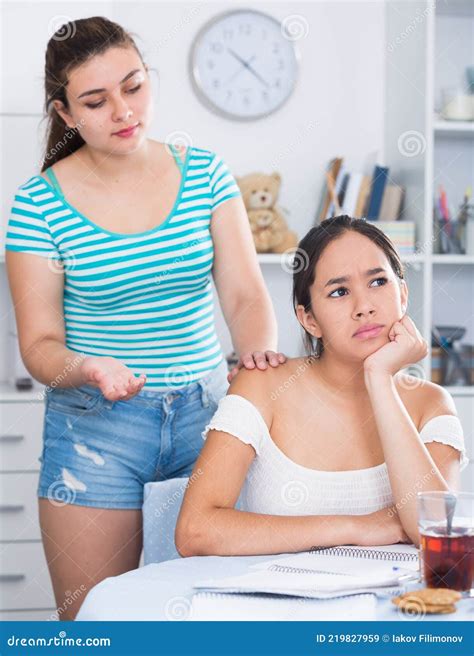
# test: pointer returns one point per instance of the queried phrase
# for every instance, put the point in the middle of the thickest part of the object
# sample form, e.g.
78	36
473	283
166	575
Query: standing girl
110	256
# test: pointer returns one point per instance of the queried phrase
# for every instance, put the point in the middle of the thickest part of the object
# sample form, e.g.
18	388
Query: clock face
244	64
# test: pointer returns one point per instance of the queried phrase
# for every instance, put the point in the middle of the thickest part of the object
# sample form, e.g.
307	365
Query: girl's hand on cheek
406	346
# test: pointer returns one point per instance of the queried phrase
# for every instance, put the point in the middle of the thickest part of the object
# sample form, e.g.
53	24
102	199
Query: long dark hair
70	46
311	248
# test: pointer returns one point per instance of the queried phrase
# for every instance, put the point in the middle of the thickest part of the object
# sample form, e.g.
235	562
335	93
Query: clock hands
247	66
240	70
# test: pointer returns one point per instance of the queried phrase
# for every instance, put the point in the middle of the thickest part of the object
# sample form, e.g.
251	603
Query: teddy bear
269	228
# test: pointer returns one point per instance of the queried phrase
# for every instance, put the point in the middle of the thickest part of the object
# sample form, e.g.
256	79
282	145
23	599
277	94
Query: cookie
417	606
435	596
428	600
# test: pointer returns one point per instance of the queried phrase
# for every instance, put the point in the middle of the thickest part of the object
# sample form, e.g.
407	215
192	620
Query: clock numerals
216	83
245	28
227	34
277	83
217	47
265	96
276	48
281	64
210	64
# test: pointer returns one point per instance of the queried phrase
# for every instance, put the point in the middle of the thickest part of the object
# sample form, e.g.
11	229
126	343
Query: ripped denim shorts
101	453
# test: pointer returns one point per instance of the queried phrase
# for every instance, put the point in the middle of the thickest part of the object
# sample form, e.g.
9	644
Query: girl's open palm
114	379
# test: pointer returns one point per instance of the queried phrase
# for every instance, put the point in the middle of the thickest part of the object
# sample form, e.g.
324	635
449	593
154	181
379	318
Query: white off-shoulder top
276	485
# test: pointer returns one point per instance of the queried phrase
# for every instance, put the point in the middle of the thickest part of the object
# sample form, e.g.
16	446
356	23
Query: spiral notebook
327	573
215	606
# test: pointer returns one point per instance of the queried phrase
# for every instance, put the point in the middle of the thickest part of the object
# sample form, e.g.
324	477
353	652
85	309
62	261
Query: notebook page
244	607
299	584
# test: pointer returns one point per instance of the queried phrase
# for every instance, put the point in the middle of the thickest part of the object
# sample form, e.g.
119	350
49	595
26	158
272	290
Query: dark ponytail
70	46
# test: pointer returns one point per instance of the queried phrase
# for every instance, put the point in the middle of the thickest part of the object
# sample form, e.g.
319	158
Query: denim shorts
100	453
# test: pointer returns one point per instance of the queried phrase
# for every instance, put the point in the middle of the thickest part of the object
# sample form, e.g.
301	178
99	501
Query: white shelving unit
423	150
453	128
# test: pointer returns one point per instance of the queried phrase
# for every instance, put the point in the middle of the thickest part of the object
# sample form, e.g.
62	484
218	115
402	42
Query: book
363	197
391	203
379	180
339	188
352	194
400	233
333	170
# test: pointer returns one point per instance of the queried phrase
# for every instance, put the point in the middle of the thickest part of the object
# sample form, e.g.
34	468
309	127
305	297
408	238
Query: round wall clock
243	64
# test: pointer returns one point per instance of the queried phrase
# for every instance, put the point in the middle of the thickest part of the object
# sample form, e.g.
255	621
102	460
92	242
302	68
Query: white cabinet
25	586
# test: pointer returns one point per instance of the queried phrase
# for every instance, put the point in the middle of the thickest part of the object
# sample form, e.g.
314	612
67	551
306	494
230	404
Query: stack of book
371	197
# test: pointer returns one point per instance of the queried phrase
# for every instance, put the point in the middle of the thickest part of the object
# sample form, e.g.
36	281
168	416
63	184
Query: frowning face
354	288
110	100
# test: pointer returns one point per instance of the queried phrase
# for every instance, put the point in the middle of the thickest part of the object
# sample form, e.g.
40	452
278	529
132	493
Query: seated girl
332	448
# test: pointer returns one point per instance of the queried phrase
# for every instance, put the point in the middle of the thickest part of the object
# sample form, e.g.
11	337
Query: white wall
336	109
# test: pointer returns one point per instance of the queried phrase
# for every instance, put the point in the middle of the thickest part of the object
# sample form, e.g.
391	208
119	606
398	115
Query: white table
164	591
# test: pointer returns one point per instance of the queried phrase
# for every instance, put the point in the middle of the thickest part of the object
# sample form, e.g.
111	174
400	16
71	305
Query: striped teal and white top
145	298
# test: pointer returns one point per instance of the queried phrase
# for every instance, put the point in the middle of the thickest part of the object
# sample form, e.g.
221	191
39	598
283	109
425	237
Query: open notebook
215	606
326	573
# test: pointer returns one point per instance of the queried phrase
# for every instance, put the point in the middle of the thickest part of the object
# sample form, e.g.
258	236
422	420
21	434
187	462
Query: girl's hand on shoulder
406	346
259	359
114	379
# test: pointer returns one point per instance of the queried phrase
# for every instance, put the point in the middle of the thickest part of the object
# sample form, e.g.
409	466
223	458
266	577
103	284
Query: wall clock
243	64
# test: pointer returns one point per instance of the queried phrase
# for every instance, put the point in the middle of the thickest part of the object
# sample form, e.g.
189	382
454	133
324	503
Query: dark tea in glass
446	526
448	561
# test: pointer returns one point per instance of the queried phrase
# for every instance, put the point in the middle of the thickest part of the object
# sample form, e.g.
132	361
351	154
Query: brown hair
70	46
312	246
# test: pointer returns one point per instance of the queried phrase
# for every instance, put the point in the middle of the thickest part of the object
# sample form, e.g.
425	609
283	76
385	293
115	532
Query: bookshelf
444	150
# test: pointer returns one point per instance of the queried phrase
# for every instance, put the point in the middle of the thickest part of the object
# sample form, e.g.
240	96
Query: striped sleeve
223	183
28	230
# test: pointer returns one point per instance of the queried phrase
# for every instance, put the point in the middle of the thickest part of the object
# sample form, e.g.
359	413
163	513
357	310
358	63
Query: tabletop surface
164	591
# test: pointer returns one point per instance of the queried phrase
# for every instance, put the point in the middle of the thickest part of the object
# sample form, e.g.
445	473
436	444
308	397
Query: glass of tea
446	525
